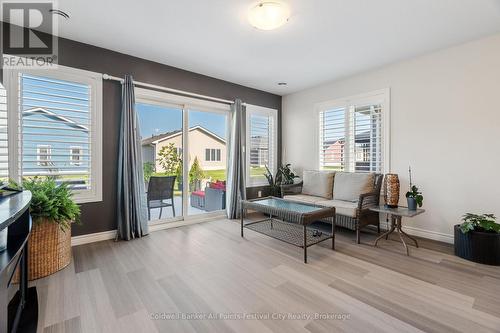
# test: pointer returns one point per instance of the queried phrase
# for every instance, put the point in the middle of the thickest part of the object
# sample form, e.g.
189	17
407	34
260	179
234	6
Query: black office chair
159	190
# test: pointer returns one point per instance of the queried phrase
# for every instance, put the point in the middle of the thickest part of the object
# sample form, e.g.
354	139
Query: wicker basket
49	249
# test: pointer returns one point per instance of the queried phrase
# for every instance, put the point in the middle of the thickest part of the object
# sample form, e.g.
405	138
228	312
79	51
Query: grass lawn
221	174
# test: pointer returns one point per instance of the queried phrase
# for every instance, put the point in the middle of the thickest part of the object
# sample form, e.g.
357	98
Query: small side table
396	217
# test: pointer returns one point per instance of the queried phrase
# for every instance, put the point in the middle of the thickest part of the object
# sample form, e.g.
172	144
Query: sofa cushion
309	199
346	208
318	183
350	185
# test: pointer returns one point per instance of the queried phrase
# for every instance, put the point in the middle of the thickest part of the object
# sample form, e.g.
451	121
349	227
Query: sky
155	120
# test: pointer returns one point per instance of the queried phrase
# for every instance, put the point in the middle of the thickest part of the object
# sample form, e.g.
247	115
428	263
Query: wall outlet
259	194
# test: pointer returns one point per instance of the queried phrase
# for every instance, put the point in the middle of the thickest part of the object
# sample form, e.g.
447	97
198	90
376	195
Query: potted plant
52	210
478	239
284	176
413	196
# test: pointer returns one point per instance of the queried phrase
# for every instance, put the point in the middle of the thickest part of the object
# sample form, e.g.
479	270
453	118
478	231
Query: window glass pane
207	178
55	115
218	155
161	148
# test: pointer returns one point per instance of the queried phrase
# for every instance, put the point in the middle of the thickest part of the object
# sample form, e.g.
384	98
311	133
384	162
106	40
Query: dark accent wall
101	216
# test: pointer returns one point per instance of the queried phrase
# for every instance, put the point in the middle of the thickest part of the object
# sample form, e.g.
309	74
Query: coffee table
396	217
289	221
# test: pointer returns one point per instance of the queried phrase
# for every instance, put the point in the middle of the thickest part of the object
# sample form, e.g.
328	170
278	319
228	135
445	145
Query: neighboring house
334	153
48	146
259	151
204	144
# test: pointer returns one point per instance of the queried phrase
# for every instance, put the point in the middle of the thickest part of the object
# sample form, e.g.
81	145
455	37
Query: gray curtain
131	210
236	189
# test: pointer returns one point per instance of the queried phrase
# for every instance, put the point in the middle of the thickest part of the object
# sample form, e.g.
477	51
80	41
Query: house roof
361	136
54	116
155	139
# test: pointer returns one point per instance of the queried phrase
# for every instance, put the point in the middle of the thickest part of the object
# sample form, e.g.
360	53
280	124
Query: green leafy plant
414	192
196	173
483	222
148	169
178	172
169	159
284	176
52	202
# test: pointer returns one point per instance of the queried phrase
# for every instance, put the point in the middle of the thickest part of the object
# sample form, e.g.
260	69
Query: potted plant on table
413	196
52	210
478	239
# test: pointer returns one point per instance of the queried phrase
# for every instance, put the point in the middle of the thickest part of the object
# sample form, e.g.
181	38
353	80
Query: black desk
19	312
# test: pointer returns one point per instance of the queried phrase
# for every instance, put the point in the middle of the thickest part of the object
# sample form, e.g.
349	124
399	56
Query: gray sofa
350	193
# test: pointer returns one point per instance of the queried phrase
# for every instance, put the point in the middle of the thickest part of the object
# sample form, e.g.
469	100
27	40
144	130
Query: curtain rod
175	91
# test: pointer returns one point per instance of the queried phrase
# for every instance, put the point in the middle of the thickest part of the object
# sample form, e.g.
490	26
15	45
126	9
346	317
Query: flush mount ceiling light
268	15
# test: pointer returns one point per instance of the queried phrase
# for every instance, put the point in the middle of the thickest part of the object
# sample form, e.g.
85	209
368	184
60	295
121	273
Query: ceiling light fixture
268	15
282	83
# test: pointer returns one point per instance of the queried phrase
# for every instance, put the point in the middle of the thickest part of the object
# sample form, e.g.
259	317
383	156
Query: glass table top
288	205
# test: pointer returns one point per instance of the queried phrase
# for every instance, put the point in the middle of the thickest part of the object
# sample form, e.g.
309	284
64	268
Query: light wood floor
208	268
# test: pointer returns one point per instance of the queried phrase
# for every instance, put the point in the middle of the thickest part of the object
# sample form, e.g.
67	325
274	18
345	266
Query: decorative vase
412	203
391	190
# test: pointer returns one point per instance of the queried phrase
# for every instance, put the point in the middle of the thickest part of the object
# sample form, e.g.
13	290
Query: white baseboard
92	238
434	235
106	235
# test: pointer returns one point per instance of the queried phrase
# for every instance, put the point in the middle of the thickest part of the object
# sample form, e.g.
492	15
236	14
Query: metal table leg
333	234
305	244
386	234
410	237
398	228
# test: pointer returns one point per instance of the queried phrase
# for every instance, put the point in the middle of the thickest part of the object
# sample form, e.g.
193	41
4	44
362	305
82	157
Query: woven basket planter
49	249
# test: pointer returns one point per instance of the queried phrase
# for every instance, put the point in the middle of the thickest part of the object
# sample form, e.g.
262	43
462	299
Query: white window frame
48	155
71	155
262	111
94	80
382	97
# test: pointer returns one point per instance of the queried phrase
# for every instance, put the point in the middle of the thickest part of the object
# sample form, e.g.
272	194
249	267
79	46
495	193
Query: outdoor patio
167	211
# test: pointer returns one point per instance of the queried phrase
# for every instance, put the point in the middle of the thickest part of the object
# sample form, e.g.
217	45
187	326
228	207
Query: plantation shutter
332	124
351	139
261	146
366	138
55	130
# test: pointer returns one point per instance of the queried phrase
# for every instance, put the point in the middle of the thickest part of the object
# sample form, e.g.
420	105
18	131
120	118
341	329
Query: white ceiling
324	39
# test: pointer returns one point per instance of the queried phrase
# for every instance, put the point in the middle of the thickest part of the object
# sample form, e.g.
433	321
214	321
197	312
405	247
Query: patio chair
159	190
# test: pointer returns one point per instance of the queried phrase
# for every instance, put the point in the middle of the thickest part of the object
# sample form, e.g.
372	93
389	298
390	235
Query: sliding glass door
161	146
207	147
184	150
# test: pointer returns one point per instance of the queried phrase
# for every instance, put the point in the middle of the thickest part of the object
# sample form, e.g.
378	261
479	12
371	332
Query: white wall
445	122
